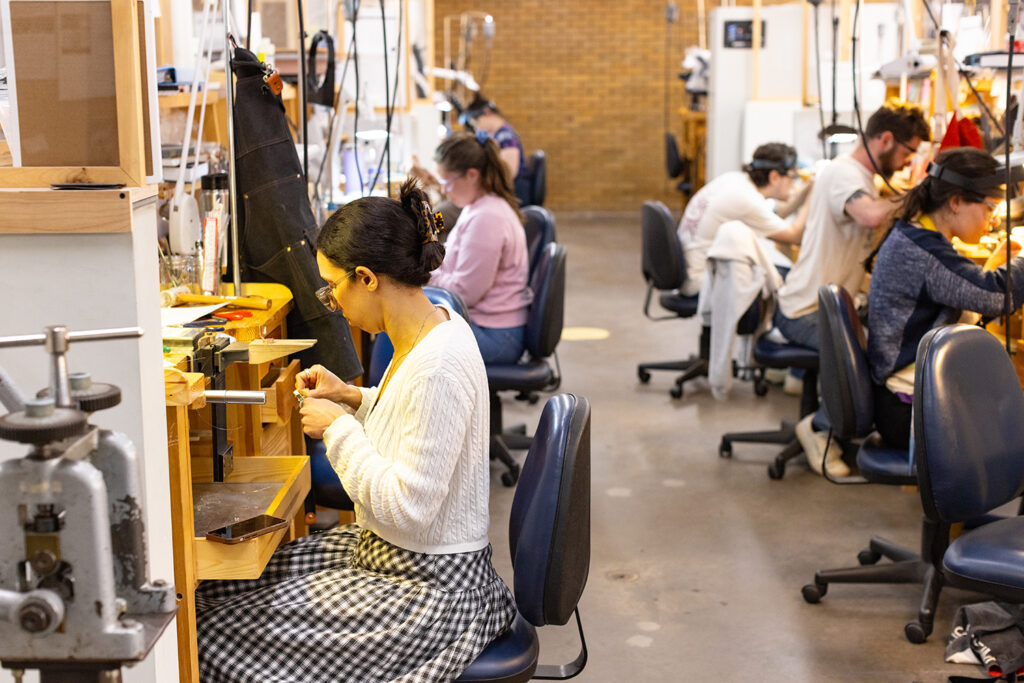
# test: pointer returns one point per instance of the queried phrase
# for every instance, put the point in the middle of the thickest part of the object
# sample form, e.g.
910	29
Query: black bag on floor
276	227
990	634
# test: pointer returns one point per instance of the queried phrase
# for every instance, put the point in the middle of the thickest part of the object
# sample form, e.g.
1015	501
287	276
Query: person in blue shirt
483	114
919	281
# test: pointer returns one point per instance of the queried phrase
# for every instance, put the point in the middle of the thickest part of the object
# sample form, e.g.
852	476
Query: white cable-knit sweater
416	464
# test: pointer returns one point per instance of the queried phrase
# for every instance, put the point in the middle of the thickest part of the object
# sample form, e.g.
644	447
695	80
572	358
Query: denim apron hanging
276	227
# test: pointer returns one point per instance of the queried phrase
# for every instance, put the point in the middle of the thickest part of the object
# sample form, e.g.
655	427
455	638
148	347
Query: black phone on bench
246	529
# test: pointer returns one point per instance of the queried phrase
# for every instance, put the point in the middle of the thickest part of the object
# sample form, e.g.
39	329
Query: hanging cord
330	126
817	75
394	95
303	88
856	102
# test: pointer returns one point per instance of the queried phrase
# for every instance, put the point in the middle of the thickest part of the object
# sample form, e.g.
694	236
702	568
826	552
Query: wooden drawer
246	560
279	384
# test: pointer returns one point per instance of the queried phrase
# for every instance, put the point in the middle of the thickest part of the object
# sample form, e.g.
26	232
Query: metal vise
74	588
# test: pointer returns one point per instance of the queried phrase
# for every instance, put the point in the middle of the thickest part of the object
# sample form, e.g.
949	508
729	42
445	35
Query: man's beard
885	166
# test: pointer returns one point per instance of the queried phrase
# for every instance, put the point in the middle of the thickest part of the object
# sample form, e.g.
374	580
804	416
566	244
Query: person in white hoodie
740	196
408	592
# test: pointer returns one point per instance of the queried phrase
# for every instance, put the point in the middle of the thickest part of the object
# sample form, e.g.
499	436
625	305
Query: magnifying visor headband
787	164
993	185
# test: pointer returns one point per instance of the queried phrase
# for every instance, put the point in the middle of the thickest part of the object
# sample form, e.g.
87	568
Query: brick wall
584	80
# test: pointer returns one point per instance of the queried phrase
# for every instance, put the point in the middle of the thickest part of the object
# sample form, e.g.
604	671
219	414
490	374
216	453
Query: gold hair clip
428	222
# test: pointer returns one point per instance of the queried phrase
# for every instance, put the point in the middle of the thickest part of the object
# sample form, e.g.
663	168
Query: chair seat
882	464
509	658
989	559
533	375
775	355
683	306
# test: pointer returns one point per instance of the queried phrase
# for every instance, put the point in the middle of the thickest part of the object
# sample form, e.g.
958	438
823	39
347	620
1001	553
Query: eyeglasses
326	296
448	183
990	204
912	150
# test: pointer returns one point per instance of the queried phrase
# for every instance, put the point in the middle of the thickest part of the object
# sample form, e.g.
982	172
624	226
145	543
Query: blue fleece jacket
920	282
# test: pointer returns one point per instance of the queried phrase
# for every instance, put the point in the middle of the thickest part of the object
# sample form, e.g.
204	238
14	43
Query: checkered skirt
346	605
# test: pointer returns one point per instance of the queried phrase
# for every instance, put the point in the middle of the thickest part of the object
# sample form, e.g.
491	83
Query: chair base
643	370
785	436
503	442
906	566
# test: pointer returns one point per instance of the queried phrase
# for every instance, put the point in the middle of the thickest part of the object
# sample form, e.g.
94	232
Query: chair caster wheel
643	376
510	478
776	470
866	557
725	449
916	632
676	391
532	400
760	387
814	592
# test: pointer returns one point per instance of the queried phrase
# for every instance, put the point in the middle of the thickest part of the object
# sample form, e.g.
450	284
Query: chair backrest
968	433
846	389
661	253
382	349
549	526
673	164
547	312
539	225
538	166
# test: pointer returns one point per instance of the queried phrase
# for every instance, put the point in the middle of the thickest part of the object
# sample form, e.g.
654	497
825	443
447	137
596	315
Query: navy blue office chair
531	187
532	372
664	269
969	449
326	487
771	354
539	225
847	396
549	536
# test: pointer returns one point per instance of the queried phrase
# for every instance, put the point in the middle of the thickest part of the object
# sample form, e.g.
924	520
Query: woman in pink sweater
486	261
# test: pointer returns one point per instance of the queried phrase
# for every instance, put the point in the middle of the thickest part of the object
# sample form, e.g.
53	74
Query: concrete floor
697	562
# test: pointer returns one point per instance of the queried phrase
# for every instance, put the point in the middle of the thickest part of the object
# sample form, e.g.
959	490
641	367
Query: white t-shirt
731	196
834	245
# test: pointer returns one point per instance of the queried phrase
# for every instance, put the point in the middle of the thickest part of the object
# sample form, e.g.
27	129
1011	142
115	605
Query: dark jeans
802	330
892	418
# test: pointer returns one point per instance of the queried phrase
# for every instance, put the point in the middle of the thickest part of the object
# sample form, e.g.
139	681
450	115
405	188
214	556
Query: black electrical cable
304	86
394	96
856	103
386	151
330	125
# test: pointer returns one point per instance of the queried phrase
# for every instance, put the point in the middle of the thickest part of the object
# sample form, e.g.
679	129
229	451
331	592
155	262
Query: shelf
246	560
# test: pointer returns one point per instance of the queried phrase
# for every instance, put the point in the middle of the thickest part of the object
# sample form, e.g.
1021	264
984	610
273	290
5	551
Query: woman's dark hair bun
416	203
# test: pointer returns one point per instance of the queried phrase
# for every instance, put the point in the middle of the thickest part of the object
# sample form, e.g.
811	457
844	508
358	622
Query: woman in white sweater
407	593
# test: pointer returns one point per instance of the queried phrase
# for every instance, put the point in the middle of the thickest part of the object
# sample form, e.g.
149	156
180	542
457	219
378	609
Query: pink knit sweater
486	263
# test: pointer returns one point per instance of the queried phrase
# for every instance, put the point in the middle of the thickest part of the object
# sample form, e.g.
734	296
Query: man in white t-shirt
740	196
845	210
